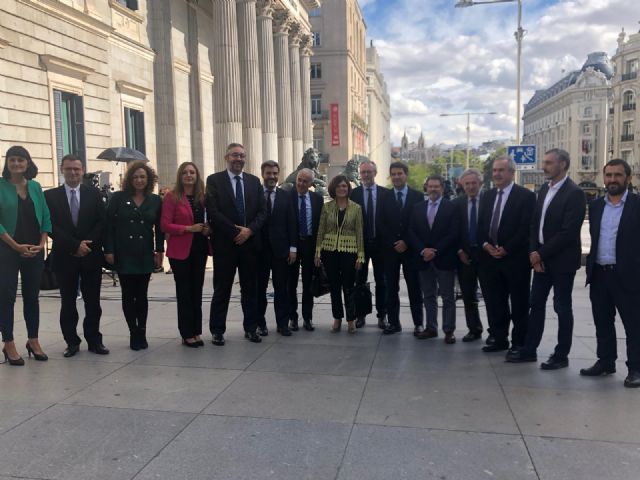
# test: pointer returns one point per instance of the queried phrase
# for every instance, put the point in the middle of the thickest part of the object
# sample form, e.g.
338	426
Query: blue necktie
239	199
304	231
473	224
400	199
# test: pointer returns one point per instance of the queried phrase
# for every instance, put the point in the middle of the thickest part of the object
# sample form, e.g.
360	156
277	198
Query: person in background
24	225
134	245
183	221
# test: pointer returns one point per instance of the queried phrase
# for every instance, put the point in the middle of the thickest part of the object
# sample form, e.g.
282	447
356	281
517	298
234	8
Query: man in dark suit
237	210
78	218
307	206
468	207
279	247
505	272
433	235
395	215
555	253
613	264
371	197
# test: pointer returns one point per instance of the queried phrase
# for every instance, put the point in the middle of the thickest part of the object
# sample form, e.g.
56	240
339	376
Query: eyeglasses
237	155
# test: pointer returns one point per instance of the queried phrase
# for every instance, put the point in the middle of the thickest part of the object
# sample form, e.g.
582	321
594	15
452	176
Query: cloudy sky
437	58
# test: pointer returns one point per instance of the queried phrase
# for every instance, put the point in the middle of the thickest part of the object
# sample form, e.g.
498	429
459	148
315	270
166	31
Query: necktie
304	231
239	199
431	213
269	204
371	228
74	206
495	219
400	199
473	223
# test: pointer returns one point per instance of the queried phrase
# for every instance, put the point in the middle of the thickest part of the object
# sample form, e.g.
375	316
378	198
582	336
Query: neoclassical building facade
176	79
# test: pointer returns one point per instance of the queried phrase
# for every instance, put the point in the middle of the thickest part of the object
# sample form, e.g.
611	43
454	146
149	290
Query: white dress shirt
606	254
68	189
232	177
505	196
553	189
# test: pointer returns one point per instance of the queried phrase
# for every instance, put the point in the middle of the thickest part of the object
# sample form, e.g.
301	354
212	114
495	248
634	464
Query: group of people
254	228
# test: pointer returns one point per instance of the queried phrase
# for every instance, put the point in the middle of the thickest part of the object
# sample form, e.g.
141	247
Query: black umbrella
123	154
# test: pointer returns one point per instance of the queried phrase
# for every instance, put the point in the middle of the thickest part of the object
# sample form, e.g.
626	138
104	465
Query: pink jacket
173	221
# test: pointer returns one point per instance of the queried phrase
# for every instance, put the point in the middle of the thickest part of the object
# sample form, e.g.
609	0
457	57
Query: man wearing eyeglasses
237	210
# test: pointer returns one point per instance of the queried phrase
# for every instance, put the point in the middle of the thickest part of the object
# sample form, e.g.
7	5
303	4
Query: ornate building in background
379	114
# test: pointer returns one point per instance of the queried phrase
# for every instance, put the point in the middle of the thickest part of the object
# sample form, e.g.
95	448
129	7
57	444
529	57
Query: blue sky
437	58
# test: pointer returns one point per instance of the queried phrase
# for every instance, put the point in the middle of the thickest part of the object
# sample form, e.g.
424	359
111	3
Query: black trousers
135	303
244	260
373	252
503	281
393	262
188	275
468	280
341	273
607	296
278	267
90	280
30	274
304	262
562	284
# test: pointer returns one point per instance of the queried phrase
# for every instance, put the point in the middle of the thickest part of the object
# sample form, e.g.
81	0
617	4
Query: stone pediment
591	78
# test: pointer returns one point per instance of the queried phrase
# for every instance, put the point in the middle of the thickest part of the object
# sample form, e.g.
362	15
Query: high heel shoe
337	325
41	357
18	362
351	326
189	344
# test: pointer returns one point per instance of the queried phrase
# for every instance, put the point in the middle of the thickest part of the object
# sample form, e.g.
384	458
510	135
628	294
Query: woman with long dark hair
134	245
183	220
24	225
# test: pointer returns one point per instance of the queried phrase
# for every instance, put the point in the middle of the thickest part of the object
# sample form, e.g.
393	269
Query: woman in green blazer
340	248
134	244
24	224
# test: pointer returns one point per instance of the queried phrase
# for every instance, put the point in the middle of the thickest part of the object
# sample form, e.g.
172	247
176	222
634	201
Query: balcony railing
628	106
611	110
627	138
629	76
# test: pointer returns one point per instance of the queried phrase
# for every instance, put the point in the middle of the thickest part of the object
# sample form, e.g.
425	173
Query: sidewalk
311	406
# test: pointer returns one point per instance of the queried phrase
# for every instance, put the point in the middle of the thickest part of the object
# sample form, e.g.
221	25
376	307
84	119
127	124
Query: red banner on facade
335	125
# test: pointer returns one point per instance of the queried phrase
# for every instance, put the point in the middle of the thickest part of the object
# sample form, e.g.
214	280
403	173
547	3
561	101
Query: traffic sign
524	156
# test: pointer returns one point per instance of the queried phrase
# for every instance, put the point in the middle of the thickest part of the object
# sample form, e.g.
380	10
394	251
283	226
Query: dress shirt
307	200
505	196
606	254
404	191
477	197
68	189
553	189
430	204
374	194
232	178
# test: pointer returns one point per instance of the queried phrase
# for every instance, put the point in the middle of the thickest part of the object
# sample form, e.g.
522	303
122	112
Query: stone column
227	103
250	84
296	94
305	84
267	80
282	22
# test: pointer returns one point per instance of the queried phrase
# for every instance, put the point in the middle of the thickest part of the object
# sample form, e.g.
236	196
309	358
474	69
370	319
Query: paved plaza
311	406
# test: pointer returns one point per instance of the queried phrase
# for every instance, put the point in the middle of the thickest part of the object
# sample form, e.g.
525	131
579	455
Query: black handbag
361	300
319	282
48	280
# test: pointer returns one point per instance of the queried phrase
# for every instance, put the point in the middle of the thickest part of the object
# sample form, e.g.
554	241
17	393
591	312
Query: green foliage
440	166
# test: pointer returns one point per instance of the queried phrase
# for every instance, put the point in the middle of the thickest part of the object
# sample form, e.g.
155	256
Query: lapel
464	204
490	202
64	205
595	219
508	204
229	187
85	208
624	218
187	208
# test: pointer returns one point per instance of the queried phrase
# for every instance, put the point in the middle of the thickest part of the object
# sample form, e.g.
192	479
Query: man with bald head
307	206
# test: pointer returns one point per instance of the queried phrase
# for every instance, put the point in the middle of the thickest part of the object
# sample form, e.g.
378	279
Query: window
587	162
586	129
69	125
316	71
316	39
130	4
316	105
632	65
134	129
628	97
627	127
588	111
626	155
318	144
316	12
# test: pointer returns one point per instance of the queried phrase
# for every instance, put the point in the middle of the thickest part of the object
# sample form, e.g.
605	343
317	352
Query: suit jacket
627	251
67	237
358	196
396	220
562	250
173	220
442	235
461	205
316	208
514	228
280	231
223	215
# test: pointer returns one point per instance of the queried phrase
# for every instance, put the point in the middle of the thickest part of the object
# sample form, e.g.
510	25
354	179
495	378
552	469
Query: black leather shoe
142	339
555	363
134	342
490	340
71	350
263	331
495	347
382	323
391	329
200	343
472	337
193	344
518	356
598	369
632	380
417	330
293	325
99	349
218	339
253	337
360	322
308	325
285	332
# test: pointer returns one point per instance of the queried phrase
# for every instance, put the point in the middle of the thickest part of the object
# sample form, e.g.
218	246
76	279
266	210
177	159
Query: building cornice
65	67
127	12
182	65
132	46
71	15
132	89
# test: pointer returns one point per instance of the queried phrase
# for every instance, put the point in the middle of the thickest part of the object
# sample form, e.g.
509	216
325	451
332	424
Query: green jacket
9	206
348	238
133	233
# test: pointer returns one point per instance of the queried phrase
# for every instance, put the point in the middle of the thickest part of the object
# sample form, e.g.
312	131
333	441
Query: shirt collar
437	202
507	190
68	188
403	190
558	184
624	199
232	175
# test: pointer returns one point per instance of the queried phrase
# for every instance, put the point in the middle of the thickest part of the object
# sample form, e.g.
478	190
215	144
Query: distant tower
404	143
421	142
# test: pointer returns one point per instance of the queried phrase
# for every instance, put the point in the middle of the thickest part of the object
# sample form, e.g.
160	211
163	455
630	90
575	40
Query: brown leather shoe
449	338
428	333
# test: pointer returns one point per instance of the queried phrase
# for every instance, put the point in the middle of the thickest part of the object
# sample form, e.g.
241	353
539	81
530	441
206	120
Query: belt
609	267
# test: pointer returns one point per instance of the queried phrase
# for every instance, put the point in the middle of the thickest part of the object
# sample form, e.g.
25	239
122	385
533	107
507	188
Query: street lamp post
468	115
519	34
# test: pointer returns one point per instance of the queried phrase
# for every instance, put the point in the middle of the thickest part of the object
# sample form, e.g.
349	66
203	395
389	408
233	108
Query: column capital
295	34
282	21
306	45
246	1
265	8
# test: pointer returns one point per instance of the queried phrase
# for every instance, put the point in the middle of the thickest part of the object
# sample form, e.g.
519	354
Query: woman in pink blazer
183	220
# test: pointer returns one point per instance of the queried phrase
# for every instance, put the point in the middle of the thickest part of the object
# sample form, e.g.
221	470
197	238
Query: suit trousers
90	280
278	267
341	274
188	275
393	262
468	280
304	262
30	274
242	258
434	282
562	284
135	303
607	296
373	252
